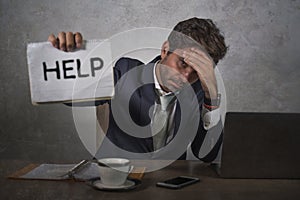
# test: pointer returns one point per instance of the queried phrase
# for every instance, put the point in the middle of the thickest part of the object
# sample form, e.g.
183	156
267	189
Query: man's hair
200	32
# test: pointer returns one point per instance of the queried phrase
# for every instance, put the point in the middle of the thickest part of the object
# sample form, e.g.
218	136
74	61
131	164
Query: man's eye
182	63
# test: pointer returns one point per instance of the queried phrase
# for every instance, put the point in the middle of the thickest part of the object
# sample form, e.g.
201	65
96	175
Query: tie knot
166	100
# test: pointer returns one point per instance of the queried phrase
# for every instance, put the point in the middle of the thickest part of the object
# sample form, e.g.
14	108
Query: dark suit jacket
118	142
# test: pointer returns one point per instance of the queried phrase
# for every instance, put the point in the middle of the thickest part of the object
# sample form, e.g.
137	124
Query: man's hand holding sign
66	41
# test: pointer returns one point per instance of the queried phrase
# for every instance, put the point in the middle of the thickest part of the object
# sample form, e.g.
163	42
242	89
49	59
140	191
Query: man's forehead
179	52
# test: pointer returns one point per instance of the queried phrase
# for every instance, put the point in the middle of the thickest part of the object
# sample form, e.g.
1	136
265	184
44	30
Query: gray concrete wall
260	72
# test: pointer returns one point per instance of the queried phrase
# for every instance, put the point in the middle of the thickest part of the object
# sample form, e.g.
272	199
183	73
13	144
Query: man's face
173	72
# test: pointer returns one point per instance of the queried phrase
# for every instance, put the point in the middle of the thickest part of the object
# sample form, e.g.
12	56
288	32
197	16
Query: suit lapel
147	91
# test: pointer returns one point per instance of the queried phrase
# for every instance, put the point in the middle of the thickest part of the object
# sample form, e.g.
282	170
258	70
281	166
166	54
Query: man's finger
62	41
203	53
53	40
78	40
197	58
70	43
199	64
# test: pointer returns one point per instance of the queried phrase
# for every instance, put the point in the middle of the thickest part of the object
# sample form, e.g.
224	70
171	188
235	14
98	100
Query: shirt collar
156	83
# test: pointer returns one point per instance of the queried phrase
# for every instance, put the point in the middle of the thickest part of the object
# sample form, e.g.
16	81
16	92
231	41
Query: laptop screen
261	145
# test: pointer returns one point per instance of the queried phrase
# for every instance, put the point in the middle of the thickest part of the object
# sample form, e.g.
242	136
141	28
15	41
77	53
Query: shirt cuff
210	118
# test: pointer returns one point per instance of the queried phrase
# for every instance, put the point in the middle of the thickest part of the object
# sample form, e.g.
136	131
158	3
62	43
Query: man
161	95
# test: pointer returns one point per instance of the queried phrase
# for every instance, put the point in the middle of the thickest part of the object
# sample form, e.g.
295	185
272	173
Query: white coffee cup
115	172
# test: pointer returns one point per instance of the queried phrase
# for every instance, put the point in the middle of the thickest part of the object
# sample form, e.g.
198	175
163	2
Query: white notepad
82	75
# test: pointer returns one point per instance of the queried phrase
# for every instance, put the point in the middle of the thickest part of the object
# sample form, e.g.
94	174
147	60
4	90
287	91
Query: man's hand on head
66	41
204	66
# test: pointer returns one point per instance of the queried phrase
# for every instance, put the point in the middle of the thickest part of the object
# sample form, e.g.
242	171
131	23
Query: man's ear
164	49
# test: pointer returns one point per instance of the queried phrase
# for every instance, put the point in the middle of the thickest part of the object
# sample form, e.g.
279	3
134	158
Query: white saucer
129	184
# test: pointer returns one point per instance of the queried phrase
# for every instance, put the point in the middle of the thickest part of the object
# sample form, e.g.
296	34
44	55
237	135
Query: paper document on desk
87	171
82	75
58	172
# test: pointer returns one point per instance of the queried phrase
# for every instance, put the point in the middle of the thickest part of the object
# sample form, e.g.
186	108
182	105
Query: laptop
261	145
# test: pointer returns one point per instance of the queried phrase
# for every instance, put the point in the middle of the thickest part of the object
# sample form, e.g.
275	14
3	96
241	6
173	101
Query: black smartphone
178	182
